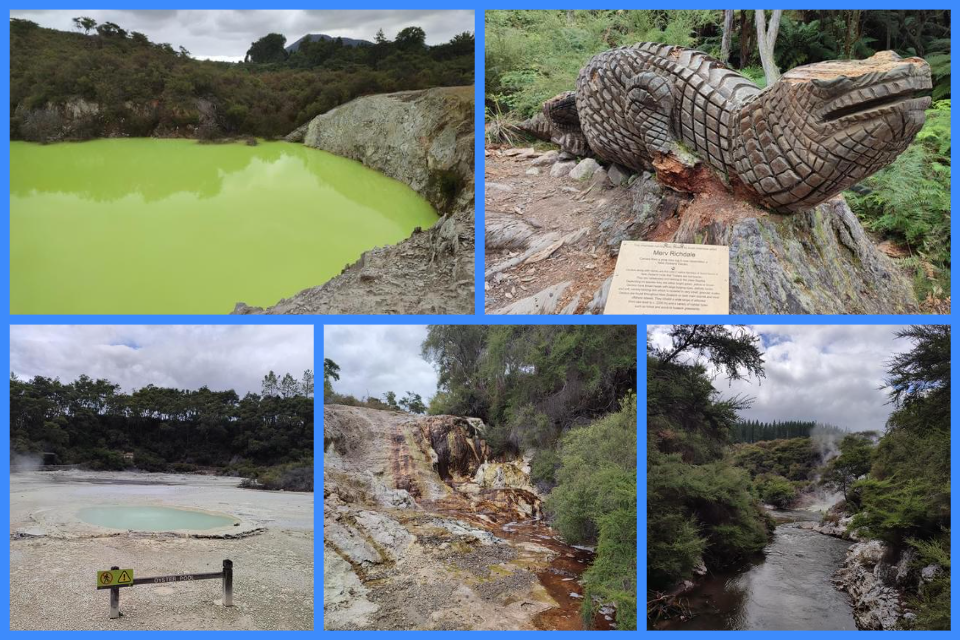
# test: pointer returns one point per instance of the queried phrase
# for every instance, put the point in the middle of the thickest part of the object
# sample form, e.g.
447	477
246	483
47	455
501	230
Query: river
787	587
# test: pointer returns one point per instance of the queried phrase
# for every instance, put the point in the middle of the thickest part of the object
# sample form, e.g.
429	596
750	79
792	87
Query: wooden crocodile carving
818	130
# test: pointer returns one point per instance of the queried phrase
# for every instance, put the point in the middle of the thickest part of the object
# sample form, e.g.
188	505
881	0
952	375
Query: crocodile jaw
826	126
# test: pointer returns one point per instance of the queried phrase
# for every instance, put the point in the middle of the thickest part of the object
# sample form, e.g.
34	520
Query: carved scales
818	130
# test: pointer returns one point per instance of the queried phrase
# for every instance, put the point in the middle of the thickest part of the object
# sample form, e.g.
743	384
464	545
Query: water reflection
109	170
788	588
171	226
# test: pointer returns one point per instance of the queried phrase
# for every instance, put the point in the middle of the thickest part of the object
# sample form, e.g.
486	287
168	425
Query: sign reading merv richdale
668	277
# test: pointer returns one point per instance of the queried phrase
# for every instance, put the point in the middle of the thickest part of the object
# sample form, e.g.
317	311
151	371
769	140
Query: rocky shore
876	577
424	139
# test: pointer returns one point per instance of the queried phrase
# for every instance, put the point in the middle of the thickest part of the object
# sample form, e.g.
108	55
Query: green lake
152	226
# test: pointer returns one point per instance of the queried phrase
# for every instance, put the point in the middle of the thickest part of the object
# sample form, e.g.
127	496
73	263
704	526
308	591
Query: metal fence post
228	583
114	599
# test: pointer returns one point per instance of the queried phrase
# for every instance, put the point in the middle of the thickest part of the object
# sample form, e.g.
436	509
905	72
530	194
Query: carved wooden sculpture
819	129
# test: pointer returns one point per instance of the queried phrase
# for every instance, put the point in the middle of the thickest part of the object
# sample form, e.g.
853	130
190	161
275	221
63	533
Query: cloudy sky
185	357
226	35
377	359
829	374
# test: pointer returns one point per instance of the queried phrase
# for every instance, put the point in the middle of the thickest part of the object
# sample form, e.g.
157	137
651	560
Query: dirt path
564	206
552	240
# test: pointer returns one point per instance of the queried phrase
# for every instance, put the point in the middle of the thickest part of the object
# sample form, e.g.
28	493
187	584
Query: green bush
146	461
597	475
544	466
612	576
293	476
909	201
106	460
776	490
794	459
932	601
596	500
532	56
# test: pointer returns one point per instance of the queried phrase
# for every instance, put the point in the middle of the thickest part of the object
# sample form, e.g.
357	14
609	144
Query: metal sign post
116	578
114	599
228	583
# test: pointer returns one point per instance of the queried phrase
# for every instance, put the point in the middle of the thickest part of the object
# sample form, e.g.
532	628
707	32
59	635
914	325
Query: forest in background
265	438
269	95
567	396
757	430
704	494
531	56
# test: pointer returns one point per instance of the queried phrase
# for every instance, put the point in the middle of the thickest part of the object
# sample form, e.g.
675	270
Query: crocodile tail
561	111
538	126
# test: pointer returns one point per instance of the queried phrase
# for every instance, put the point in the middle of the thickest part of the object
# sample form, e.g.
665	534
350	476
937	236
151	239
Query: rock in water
421	138
876	604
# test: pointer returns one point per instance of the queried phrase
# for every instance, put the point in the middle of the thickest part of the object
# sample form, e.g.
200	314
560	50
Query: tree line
143	88
757	430
93	423
411	402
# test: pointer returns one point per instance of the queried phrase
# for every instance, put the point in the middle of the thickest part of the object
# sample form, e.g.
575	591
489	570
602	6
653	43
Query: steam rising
25	463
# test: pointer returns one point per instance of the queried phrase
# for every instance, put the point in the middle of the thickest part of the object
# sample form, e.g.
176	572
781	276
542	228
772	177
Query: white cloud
375	359
185	357
827	373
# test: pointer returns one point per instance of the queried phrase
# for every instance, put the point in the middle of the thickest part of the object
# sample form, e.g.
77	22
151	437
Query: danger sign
114	578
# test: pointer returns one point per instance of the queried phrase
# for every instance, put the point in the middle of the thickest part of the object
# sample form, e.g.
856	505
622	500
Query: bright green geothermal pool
173	226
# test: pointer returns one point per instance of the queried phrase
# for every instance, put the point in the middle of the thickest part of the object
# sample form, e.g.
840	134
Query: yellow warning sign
114	578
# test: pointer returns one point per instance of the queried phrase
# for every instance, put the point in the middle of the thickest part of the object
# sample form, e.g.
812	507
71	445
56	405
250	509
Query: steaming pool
73	522
143	518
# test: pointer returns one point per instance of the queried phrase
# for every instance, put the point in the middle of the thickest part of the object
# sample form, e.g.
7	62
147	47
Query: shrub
932	602
776	490
294	476
147	461
909	201
106	460
544	466
596	499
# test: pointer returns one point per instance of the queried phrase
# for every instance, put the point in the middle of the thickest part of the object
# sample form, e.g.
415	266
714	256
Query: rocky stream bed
424	530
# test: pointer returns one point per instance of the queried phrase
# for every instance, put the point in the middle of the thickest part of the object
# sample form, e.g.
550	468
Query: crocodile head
824	127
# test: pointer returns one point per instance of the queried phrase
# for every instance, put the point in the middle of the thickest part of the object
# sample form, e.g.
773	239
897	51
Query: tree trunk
727	33
852	34
744	39
766	41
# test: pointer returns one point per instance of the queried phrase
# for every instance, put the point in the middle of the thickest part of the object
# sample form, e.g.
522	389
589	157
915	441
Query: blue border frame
319	320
